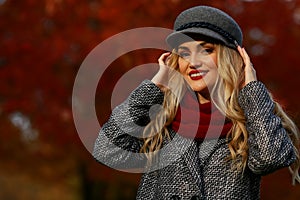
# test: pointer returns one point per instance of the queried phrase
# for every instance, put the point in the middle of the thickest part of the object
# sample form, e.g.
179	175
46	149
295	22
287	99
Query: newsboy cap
206	21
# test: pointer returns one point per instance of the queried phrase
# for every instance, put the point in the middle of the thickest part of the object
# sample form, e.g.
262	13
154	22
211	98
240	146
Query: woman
220	126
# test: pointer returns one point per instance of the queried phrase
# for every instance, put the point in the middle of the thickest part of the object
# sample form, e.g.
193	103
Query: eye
183	54
207	50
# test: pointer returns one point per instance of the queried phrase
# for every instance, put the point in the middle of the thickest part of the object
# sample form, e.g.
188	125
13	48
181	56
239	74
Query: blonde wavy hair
225	96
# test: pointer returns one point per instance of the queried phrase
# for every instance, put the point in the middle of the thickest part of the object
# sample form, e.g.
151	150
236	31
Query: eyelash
205	51
183	54
209	50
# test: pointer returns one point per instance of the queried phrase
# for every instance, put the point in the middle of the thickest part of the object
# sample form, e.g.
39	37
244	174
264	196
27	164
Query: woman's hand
250	73
161	77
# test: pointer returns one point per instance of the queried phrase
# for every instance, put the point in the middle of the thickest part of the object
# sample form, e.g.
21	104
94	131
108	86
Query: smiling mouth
196	75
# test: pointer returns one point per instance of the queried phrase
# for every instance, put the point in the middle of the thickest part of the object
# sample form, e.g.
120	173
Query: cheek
214	60
212	77
211	62
182	66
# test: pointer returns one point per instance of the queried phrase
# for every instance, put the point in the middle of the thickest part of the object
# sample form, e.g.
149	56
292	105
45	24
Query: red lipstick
197	74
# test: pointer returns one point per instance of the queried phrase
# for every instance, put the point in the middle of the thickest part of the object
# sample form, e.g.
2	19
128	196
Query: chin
198	88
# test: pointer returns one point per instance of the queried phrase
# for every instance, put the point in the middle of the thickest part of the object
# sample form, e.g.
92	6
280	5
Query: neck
203	97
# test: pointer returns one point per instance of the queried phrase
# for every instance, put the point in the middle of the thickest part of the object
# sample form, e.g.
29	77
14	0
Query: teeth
198	74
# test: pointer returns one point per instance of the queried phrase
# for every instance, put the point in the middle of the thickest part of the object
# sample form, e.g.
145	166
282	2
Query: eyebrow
201	44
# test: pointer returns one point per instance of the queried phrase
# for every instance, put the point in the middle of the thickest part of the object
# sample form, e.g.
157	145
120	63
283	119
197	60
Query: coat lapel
198	155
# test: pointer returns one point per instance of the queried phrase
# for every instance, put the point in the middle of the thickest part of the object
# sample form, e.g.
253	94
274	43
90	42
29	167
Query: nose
195	61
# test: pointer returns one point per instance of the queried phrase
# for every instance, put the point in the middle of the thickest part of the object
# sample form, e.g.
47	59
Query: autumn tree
43	44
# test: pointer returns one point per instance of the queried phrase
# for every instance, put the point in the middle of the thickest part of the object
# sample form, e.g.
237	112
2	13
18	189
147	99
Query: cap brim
178	37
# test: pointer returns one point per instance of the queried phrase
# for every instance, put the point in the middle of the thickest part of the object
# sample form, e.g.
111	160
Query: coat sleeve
119	141
270	147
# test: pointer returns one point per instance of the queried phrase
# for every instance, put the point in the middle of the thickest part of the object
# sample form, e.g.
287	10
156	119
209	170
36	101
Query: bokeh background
44	42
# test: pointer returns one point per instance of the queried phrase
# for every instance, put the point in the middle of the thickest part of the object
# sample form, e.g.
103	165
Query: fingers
250	73
162	76
244	55
163	59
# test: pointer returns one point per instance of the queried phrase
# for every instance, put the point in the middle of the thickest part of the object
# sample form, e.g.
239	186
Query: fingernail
236	43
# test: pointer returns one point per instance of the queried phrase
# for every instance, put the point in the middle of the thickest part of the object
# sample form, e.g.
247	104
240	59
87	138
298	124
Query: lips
197	74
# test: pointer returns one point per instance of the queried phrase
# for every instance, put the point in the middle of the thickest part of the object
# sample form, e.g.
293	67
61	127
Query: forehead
190	37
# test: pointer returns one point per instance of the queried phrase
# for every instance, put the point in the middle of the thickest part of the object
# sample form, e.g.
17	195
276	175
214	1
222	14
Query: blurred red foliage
43	44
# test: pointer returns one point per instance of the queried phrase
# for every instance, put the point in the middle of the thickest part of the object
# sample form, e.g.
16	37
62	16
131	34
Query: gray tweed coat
199	171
